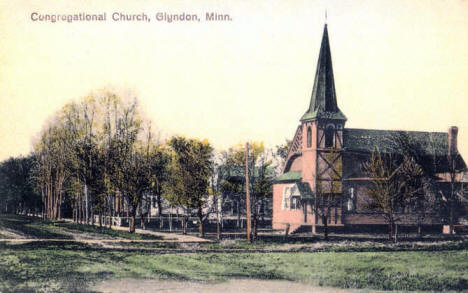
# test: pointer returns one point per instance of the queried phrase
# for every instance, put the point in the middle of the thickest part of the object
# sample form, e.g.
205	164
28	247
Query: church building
325	157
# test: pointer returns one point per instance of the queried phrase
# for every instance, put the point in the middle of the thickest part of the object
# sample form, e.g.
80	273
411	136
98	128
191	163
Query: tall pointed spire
323	100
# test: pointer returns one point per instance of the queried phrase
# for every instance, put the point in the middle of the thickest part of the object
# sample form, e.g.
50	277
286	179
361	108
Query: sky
397	65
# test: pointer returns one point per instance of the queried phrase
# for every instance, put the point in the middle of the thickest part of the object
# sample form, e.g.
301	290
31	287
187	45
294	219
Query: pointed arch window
309	137
330	136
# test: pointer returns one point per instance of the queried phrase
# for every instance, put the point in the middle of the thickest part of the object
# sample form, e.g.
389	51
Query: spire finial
326	16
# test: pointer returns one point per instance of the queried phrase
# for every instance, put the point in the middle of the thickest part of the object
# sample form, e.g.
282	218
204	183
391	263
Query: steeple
323	100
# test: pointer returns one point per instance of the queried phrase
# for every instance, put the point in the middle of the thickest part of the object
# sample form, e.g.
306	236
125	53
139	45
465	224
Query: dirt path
165	236
232	286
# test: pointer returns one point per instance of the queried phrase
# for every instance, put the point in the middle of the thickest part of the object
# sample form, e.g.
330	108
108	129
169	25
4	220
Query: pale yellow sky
397	64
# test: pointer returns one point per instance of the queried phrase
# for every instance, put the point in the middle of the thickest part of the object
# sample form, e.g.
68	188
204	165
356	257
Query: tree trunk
218	229
158	197
451	220
86	204
131	223
184	224
218	219
59	206
200	222
396	233
142	218
238	213
92	215
170	220
325	227
148	210
255	225
390	228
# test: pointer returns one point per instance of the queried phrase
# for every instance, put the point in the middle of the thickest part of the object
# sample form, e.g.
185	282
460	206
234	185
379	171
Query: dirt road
232	286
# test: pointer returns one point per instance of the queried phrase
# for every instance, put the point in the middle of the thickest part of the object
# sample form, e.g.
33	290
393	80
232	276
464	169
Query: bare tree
392	185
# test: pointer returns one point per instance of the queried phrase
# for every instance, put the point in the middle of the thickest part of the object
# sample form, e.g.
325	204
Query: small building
326	155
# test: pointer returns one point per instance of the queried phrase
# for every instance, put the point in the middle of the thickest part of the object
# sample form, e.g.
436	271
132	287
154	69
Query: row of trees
99	155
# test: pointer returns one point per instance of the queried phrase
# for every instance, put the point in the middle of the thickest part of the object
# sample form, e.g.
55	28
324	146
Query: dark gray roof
365	140
431	147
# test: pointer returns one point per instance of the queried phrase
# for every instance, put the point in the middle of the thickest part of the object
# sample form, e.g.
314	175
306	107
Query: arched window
309	137
330	136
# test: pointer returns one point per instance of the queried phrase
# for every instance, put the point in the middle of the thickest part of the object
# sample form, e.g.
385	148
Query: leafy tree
260	174
190	171
159	160
17	194
283	149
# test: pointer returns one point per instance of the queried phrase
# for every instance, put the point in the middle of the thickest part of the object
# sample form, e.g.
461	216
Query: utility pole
247	190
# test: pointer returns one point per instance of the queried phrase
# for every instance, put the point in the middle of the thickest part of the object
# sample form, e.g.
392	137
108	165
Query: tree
159	160
17	194
261	189
91	151
129	167
260	178
393	184
325	199
189	179
53	152
283	149
432	197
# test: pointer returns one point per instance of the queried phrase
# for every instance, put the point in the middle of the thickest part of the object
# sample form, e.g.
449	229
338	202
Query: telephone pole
247	190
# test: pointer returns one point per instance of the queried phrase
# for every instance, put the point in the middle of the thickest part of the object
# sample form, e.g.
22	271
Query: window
295	203
351	200
329	136
309	137
291	198
285	203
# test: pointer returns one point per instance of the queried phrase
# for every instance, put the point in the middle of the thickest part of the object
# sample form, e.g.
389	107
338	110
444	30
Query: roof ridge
395	130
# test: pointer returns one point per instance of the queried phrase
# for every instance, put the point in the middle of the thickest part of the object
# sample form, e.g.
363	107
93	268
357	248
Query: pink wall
282	217
296	165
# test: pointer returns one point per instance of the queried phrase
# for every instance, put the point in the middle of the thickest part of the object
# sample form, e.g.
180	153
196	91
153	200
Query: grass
82	228
31	227
64	266
73	266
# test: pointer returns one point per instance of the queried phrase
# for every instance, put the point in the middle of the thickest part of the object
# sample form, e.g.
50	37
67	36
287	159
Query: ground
60	256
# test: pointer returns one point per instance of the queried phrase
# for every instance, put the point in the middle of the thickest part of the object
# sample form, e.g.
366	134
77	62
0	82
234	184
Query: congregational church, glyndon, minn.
327	157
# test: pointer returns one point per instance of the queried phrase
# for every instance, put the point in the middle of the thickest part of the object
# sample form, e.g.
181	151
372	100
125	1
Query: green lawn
68	266
31	227
82	228
63	266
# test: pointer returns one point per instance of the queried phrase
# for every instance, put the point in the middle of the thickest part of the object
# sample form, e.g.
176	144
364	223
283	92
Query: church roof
432	146
323	100
365	140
